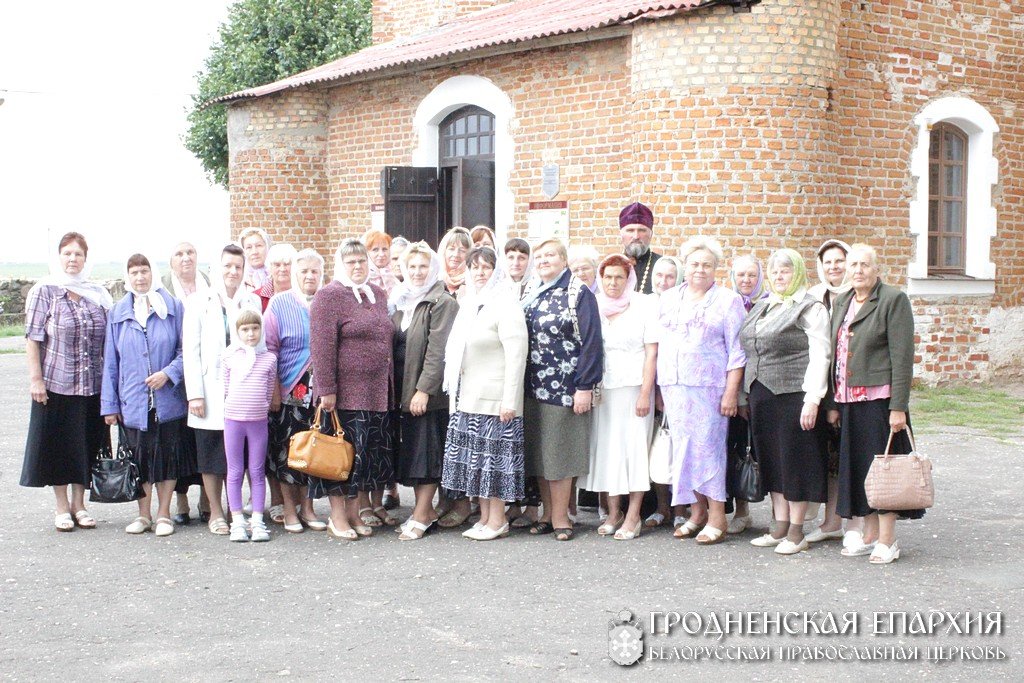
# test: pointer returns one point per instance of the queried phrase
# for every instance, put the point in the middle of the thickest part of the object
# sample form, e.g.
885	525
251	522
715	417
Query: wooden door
476	192
466	193
410	203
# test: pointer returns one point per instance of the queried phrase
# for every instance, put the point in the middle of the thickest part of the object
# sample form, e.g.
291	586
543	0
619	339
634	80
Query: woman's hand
582	401
157	380
38	390
833	417
197	407
506	414
418	404
897	420
730	404
328	402
808	416
112	420
643	404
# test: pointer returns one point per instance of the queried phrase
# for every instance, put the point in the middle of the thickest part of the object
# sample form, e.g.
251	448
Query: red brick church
761	122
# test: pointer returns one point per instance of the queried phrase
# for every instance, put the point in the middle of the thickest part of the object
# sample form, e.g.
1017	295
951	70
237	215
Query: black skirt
163	452
420	454
63	438
864	432
793	462
371	434
210	452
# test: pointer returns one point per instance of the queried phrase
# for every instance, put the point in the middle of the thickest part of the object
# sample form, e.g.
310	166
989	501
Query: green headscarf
799	280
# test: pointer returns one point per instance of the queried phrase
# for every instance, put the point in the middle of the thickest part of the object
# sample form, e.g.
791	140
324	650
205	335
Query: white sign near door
546	220
550	183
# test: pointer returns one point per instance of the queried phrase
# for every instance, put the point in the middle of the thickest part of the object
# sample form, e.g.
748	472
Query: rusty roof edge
623	21
463	56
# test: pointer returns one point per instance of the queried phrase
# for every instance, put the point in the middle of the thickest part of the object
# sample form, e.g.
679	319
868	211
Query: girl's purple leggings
235	435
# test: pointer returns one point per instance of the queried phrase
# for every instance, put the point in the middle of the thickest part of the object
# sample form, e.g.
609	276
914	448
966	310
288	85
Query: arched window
466	133
952	215
947	199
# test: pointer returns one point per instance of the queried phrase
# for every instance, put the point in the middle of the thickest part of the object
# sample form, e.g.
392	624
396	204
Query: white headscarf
232	303
405	297
518	288
79	284
142	301
341	276
305	255
254	278
179	289
843	286
241	367
453	280
469	309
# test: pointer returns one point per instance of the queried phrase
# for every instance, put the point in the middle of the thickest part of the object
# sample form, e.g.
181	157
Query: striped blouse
247	396
286	330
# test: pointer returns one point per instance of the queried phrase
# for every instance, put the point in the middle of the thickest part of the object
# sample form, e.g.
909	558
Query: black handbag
115	476
743	477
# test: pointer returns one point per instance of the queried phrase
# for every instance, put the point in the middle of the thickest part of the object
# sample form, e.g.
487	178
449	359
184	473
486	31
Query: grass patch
988	410
4	352
12	330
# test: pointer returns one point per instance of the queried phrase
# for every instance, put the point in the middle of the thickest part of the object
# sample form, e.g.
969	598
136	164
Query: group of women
503	379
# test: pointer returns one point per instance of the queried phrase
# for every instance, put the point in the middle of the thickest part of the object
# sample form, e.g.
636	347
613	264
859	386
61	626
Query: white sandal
414	530
62	522
710	535
884	554
687	530
655	519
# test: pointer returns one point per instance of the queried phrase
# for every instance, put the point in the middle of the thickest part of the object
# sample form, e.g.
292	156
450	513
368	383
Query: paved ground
103	605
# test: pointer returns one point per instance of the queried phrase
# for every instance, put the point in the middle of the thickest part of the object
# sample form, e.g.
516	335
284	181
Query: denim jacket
132	354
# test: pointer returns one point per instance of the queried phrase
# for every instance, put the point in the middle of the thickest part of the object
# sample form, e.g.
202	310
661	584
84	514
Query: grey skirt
557	441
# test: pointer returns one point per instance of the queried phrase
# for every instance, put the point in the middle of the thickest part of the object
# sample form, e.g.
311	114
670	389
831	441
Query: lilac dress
698	346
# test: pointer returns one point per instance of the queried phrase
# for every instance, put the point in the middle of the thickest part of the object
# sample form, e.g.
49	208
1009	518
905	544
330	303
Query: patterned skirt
283	424
484	457
698	432
372	435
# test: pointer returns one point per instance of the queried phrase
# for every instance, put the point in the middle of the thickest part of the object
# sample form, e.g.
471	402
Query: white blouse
624	340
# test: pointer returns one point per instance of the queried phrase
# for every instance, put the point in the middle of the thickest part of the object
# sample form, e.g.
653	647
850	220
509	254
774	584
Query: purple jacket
350	343
131	355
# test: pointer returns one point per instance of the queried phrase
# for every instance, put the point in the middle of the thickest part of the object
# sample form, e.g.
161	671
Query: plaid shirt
71	335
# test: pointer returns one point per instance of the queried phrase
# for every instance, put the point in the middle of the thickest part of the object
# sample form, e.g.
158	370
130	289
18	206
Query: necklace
647	271
859	300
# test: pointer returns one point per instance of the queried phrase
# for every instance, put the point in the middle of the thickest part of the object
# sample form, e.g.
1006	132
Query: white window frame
453	94
982	175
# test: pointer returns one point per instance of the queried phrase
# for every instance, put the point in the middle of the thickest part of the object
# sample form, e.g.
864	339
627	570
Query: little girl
249	378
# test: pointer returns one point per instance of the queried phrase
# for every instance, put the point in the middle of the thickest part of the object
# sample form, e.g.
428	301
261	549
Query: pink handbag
900	482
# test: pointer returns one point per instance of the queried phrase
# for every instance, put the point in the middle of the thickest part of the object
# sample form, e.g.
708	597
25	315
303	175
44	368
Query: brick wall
895	57
952	340
786	125
400	18
585	88
277	160
732	133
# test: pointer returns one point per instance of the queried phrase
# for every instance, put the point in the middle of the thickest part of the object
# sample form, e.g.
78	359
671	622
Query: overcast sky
99	149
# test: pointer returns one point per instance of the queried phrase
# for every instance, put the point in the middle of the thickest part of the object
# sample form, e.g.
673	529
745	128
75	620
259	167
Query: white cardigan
203	345
494	364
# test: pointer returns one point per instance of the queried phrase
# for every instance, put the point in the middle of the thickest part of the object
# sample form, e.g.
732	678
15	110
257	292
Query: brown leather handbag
900	482
322	455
